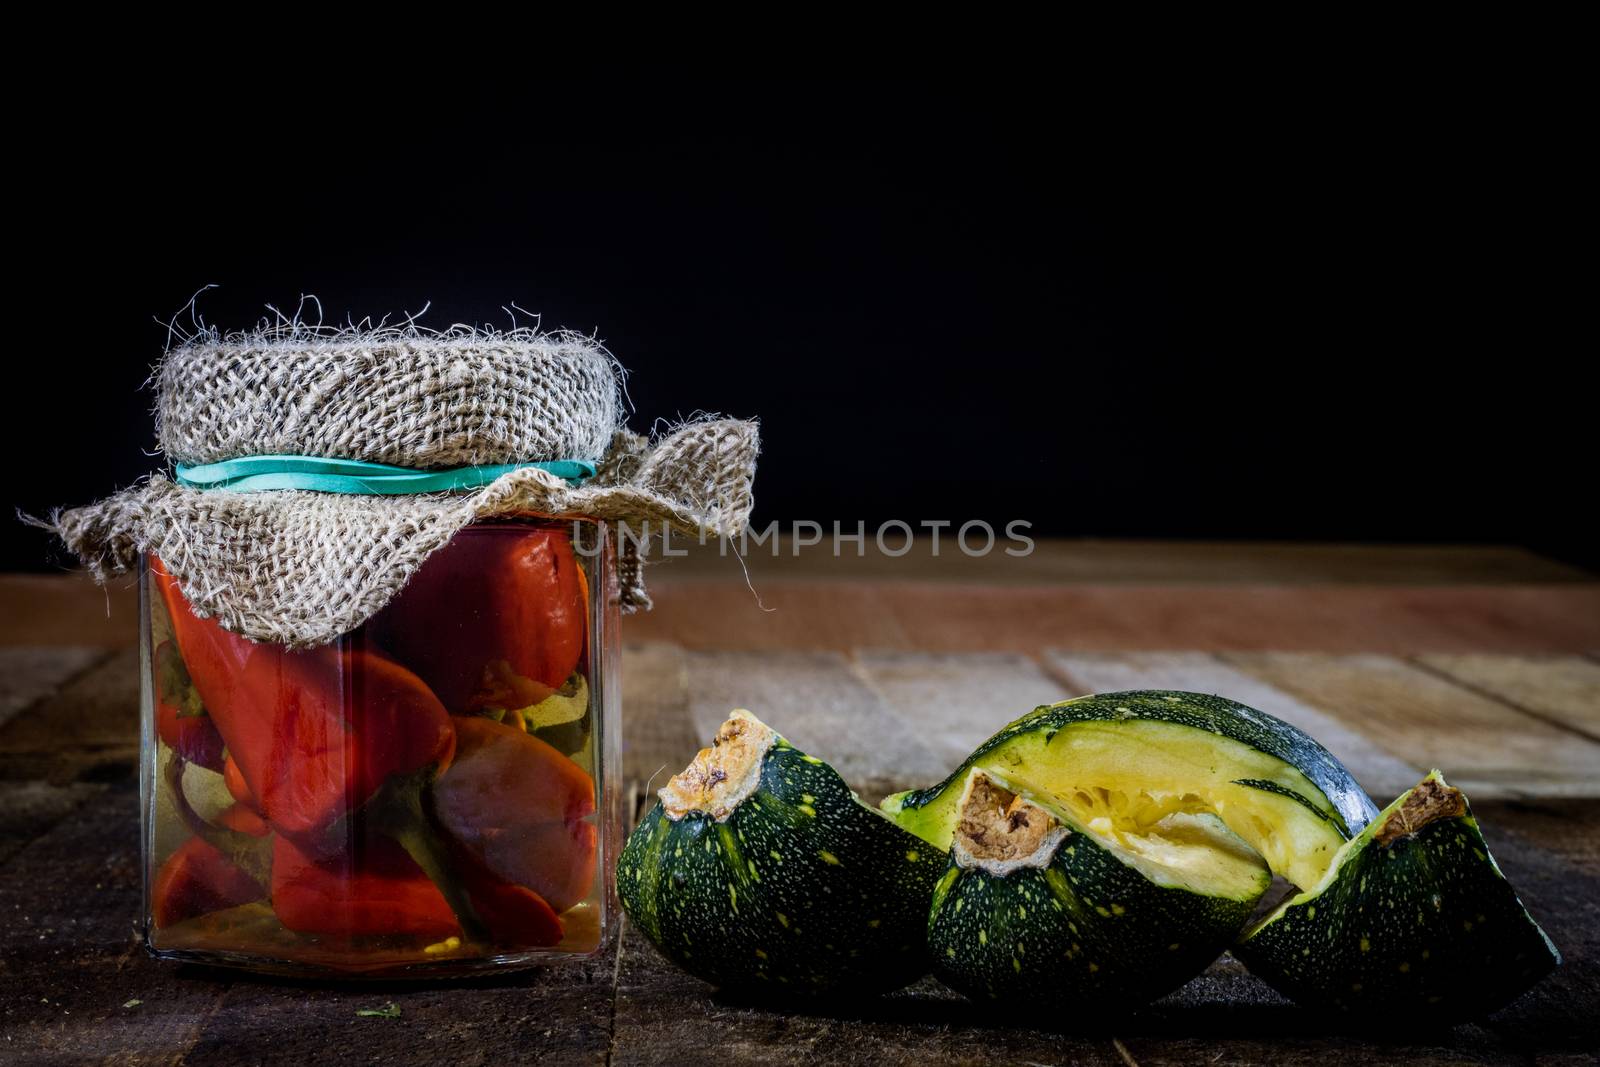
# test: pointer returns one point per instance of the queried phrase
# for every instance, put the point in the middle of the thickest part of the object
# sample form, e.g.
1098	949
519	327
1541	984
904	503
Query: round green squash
760	869
1123	761
1413	921
1035	911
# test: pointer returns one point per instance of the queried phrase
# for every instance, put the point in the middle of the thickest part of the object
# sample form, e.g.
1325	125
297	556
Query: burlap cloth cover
300	568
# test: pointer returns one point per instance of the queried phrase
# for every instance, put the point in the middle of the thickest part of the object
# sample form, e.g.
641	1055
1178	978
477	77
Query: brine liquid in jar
431	792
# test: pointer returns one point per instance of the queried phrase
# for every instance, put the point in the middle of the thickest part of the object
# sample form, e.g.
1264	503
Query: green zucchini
1123	761
1035	910
760	869
1413	920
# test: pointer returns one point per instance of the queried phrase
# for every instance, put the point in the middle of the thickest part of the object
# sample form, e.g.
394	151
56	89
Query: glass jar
432	793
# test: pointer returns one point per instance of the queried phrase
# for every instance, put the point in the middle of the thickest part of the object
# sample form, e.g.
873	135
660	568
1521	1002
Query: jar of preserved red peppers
381	593
429	790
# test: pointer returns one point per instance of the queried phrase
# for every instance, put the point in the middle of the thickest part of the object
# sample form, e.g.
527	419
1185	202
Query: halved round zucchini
760	869
1125	761
1412	920
1038	910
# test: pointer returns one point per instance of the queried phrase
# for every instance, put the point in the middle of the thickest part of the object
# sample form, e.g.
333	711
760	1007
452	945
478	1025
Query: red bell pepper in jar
313	733
522	807
196	880
212	656
181	719
378	889
498	618
233	778
514	915
375	889
243	820
339	725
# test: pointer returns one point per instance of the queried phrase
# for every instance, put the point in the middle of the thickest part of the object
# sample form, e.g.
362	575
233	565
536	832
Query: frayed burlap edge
300	568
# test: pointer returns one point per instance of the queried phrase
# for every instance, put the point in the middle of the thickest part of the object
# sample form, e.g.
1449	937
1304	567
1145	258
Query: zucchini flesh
1037	910
1413	919
760	869
1119	762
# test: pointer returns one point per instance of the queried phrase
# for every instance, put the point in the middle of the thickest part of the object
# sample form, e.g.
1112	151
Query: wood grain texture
89	728
665	1017
1094	595
1562	689
71	964
1058	561
71	959
1566	828
1380	772
819	702
32	672
28	810
558	1015
67	609
944	662
954	617
658	732
952	702
1483	746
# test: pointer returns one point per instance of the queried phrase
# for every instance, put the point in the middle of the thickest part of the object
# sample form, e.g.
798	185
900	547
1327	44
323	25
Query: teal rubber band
251	474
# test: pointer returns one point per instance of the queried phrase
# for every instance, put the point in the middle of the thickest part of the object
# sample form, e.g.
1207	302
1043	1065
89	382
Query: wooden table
1480	661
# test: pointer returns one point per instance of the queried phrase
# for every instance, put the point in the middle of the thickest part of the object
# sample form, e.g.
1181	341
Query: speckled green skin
1424	927
1086	932
803	890
1349	803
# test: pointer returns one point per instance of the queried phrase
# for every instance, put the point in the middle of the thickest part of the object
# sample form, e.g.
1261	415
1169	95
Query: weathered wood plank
1566	828
953	701
817	701
657	729
1055	561
1380	771
720	615
88	728
544	1015
68	609
1021	612
1227	1016
68	963
68	953
663	1016
1483	746
951	617
1563	689
29	673
29	810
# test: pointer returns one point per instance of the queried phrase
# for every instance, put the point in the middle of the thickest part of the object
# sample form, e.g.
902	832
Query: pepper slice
233	778
374	889
242	819
328	728
495	619
378	889
181	719
212	656
313	733
514	915
197	879
522	807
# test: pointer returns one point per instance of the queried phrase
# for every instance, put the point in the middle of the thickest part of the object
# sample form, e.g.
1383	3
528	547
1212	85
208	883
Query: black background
1345	308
